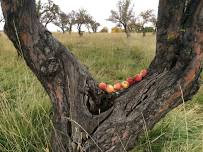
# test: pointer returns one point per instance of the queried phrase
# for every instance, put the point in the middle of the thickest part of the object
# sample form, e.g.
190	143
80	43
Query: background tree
87	24
114	121
94	25
146	17
134	25
1	16
153	20
123	14
71	20
61	21
39	8
82	18
1	19
47	12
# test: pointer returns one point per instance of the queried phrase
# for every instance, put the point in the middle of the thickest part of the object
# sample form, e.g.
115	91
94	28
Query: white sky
100	9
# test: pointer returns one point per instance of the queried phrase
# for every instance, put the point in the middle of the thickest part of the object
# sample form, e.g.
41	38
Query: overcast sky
100	9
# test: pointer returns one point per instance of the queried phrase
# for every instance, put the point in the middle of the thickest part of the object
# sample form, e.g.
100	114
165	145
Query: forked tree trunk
113	122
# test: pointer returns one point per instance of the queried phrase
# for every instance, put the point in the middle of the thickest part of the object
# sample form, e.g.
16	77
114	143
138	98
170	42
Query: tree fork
112	123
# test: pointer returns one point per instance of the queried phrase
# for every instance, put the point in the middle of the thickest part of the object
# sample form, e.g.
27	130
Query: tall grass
25	110
111	57
24	106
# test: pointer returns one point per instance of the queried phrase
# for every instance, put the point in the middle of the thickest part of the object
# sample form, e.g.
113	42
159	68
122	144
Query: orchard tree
84	117
71	20
47	12
123	14
87	24
39	7
94	25
61	21
82	18
146	17
153	20
134	25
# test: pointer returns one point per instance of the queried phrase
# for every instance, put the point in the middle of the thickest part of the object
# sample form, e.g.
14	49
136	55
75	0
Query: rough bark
113	122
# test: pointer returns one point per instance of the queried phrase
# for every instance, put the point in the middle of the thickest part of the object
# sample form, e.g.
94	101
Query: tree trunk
154	32
94	30
126	30
63	30
80	30
88	29
113	122
143	32
70	29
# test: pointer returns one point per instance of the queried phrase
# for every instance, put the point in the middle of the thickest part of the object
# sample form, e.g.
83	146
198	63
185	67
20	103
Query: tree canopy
47	12
123	15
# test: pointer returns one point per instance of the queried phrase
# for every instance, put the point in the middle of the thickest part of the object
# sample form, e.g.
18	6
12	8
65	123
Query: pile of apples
123	85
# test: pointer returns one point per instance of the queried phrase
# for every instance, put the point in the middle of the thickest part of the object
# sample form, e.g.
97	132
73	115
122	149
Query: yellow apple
125	84
110	89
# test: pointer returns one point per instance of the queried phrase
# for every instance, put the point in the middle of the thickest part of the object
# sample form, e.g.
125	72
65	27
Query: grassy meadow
25	109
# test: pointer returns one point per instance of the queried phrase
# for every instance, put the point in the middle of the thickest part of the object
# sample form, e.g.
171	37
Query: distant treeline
123	17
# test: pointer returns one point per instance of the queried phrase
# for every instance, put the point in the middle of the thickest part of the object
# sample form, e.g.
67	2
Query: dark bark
143	32
63	30
70	29
114	122
126	30
79	27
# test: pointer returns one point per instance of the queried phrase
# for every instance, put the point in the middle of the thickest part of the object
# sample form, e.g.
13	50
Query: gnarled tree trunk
113	122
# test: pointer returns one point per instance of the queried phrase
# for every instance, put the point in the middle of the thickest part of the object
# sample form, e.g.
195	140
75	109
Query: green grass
24	106
25	109
111	57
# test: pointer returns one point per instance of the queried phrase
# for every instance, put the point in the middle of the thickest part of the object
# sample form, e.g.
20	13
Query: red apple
117	86
125	84
143	73
103	86
110	89
138	78
130	80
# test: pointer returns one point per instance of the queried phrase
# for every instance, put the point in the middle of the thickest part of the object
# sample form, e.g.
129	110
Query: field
25	110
